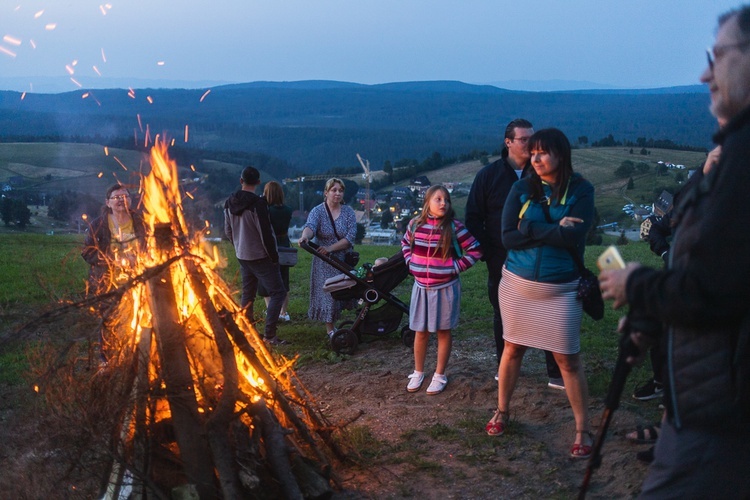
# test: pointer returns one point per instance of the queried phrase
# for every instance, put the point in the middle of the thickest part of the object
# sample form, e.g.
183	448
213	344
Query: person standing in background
334	227
248	227
484	215
281	216
701	299
436	247
546	218
111	245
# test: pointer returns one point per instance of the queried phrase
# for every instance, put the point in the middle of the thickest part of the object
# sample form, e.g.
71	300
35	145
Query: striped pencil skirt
540	315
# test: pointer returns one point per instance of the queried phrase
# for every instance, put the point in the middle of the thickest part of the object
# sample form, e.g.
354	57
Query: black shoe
651	390
646	456
275	341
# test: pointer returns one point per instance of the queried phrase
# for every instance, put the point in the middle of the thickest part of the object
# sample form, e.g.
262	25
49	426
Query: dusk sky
624	44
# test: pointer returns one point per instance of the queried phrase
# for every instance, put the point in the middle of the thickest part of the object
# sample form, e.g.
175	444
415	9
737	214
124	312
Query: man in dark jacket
484	215
248	226
703	299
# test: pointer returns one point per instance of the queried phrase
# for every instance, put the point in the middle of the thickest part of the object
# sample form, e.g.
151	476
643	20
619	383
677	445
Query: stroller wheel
344	341
407	337
345	324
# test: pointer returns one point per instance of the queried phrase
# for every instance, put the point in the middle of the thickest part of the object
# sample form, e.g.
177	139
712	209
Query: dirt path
423	446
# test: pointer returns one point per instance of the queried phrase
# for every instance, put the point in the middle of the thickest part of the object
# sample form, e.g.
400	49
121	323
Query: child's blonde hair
445	224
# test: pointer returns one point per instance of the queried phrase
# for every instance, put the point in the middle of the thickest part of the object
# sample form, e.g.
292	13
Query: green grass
38	270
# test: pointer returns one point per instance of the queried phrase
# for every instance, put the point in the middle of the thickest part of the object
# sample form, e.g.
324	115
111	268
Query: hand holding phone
610	259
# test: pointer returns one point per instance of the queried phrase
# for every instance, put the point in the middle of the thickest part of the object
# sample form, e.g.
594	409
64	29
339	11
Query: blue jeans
268	273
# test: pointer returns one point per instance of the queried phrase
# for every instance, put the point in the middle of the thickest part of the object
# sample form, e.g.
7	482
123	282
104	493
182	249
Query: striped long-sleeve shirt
425	260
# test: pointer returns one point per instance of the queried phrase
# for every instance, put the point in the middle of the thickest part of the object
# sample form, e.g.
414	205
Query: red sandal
497	424
582	450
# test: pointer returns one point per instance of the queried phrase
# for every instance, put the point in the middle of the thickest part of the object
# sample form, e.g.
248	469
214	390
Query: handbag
589	292
287	256
351	257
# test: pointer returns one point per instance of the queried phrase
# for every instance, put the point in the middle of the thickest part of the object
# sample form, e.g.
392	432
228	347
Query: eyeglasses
120	197
718	51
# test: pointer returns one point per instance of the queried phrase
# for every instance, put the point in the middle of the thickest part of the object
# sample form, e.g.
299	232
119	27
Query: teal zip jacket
537	249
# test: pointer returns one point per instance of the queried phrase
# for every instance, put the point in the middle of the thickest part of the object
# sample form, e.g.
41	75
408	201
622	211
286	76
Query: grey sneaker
556	383
437	385
415	381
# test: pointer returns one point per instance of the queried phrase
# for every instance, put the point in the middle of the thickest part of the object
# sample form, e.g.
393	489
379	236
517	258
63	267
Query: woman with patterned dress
332	240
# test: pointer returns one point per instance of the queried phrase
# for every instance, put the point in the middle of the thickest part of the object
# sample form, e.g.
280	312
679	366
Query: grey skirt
435	308
540	315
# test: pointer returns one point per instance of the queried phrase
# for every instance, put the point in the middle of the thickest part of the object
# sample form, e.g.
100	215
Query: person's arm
91	252
658	234
709	286
470	246
570	230
266	230
347	240
475	209
406	242
512	237
311	226
228	226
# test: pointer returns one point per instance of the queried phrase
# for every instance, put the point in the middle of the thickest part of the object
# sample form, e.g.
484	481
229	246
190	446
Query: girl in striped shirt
436	248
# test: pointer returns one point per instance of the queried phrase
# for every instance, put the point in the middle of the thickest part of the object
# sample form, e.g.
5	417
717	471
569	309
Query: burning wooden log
215	375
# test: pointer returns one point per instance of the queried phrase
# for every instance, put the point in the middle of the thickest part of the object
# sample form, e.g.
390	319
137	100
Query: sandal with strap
579	450
497	424
644	434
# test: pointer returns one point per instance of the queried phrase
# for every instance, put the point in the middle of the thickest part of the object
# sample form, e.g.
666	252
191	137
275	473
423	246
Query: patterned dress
322	306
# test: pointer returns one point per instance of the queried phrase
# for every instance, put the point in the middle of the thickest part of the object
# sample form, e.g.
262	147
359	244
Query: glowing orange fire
161	203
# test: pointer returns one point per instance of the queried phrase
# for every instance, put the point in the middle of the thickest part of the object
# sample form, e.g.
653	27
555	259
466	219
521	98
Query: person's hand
613	282
302	239
712	159
570	221
640	340
323	250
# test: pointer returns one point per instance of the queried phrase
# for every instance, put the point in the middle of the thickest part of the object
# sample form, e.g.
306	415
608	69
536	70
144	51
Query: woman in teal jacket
546	217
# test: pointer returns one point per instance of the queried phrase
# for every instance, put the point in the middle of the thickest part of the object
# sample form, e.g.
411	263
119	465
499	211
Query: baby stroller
369	286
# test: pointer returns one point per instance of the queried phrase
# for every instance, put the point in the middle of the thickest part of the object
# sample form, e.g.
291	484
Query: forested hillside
312	127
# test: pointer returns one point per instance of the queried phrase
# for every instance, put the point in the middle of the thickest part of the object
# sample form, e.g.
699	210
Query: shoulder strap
330	216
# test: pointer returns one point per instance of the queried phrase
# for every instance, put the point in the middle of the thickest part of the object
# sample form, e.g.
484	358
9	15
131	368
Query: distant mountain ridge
316	125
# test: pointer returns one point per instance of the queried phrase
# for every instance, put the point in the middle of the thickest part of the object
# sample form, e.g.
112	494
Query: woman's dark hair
554	142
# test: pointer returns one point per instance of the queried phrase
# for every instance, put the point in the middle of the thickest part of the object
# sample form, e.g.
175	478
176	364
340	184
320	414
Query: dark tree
386	219
626	169
631	184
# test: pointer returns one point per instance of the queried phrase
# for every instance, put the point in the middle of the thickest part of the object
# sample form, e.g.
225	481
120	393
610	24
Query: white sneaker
415	381
437	385
284	317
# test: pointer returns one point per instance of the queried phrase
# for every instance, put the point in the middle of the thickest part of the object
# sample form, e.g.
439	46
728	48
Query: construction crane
368	177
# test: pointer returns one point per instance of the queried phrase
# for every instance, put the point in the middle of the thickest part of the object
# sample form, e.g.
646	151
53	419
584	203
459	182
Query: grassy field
41	272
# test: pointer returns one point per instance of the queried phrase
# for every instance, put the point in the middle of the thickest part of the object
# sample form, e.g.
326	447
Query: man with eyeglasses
111	245
484	215
703	300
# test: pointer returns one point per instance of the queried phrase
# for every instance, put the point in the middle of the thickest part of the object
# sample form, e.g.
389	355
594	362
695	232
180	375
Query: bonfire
201	403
